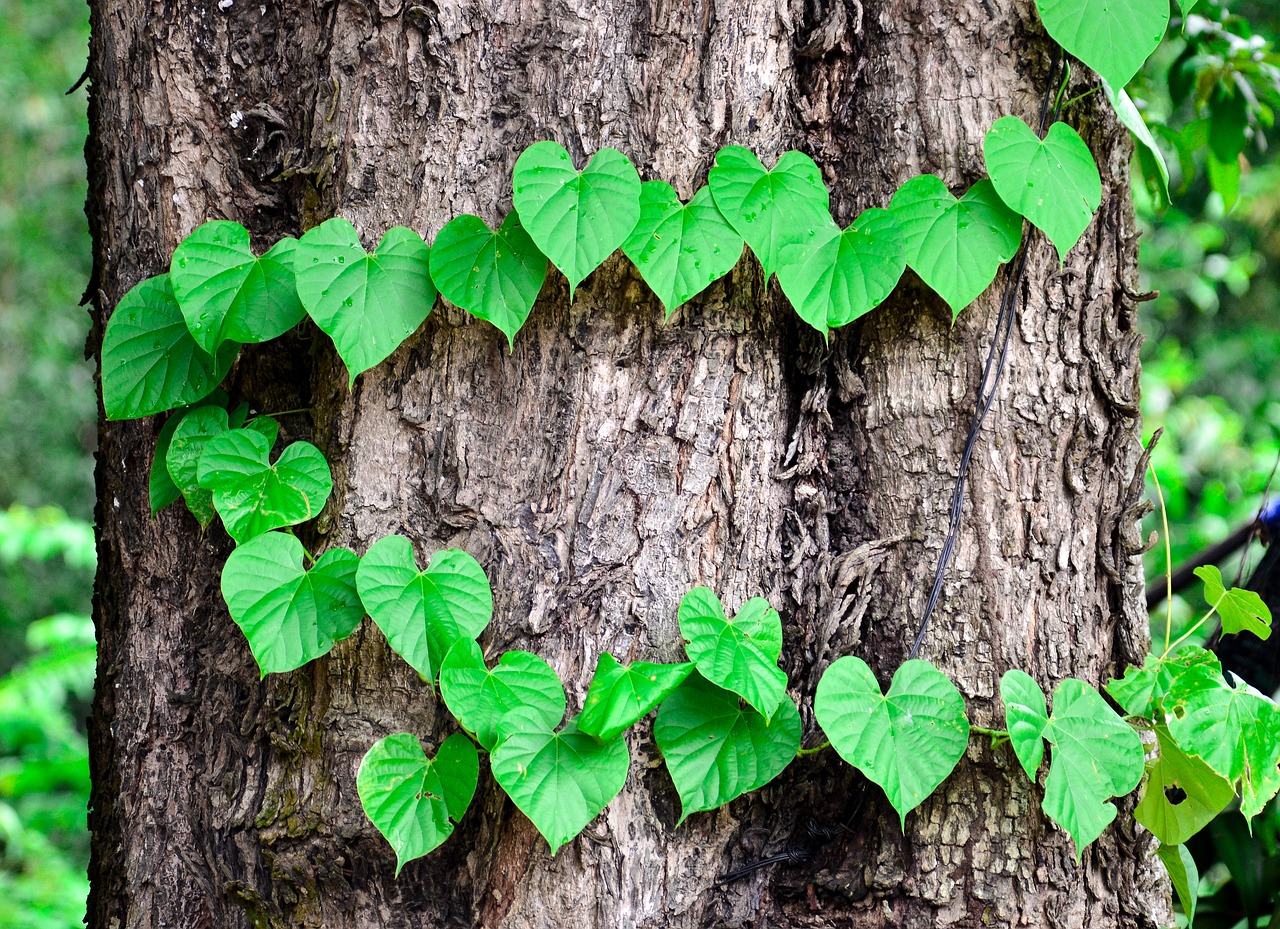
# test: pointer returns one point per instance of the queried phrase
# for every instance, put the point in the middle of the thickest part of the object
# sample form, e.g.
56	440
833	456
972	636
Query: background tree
611	462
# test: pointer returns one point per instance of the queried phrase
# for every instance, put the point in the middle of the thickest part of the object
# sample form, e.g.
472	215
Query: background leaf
680	250
622	694
1241	610
840	276
480	698
227	293
368	304
423	613
560	780
1114	39
1053	182
290	615
1182	794
956	246
908	741
150	363
577	218
741	654
410	798
494	276
716	749
254	496
775	210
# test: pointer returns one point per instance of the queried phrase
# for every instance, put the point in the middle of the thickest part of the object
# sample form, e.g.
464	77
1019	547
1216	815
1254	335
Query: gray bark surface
613	461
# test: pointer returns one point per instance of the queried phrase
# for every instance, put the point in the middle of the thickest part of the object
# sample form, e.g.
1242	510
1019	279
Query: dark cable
986	395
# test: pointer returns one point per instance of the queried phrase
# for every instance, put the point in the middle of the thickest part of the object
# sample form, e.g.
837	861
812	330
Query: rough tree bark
611	462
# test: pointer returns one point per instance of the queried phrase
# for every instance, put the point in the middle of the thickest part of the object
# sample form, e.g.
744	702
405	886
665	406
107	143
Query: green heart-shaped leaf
908	741
1113	38
150	362
716	749
622	694
1235	730
494	276
776	210
1054	182
739	654
368	304
290	615
577	218
1241	610
1096	754
480	698
1182	794
161	490
186	446
254	496
560	780
956	246
423	613
680	250
227	293
844	275
410	798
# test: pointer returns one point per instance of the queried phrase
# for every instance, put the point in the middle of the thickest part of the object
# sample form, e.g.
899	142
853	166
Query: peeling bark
612	461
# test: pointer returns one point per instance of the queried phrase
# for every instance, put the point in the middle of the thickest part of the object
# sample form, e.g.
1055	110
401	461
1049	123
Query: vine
725	724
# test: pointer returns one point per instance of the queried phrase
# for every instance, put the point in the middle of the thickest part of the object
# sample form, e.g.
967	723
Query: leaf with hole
290	614
150	362
956	245
716	749
1053	182
1241	610
1181	795
1142	689
368	304
225	292
494	276
776	211
621	694
840	276
576	218
681	249
423	613
479	698
254	496
1114	38
414	800
1234	730
1096	754
739	654
907	740
560	780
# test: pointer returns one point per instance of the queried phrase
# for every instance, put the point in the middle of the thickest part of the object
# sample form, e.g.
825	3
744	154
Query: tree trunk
611	461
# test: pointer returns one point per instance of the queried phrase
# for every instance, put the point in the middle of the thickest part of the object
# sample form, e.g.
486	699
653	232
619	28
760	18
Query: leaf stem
1168	560
1190	632
301	409
813	751
1079	97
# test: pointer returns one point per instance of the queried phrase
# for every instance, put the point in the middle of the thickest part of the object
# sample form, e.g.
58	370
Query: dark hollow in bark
612	461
